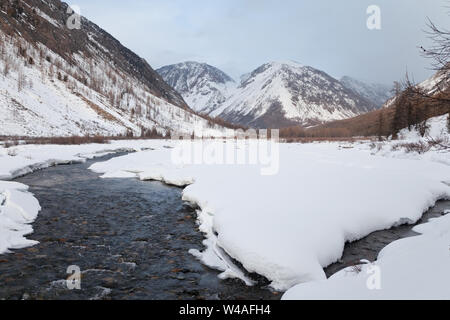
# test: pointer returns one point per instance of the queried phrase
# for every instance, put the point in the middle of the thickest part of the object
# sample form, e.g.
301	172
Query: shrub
417	147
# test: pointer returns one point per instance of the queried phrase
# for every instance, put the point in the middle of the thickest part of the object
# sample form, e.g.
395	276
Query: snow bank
413	268
288	227
24	159
18	208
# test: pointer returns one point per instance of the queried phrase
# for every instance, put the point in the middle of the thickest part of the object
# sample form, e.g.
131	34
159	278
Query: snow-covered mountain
378	94
202	86
279	94
58	81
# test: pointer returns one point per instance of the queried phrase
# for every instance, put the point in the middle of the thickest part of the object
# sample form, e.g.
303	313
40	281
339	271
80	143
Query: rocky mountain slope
280	94
277	94
378	94
202	86
56	80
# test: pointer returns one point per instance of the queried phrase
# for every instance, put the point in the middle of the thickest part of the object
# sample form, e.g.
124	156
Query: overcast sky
239	35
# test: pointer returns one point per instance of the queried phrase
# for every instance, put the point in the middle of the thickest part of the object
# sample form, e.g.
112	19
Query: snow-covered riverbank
414	268
288	226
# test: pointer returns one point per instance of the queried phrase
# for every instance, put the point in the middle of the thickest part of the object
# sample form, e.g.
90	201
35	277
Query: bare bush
421	147
12	152
440	143
376	146
21	81
6	69
74	140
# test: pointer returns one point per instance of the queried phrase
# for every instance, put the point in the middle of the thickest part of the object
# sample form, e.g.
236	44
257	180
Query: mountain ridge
374	92
61	81
276	94
203	86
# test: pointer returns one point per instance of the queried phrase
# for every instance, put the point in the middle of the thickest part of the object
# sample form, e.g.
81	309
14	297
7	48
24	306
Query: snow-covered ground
411	268
288	225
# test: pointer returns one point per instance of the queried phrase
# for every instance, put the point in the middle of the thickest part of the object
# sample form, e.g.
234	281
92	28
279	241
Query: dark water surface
131	241
369	247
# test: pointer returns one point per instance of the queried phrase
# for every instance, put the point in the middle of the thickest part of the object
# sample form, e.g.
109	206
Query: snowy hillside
202	86
57	82
279	94
378	94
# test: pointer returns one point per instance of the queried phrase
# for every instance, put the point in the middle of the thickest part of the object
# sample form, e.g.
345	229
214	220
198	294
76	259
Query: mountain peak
276	94
194	68
203	86
285	63
285	93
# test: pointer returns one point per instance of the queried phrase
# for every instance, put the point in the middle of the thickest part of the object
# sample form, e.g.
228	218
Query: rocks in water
110	282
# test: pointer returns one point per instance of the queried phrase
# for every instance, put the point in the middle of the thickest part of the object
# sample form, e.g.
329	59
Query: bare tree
439	54
380	126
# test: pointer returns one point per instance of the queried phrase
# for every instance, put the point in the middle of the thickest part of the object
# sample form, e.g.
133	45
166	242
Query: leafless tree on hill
439	54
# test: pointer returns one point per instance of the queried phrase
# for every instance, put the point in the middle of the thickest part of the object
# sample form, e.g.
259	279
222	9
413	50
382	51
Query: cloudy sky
239	35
